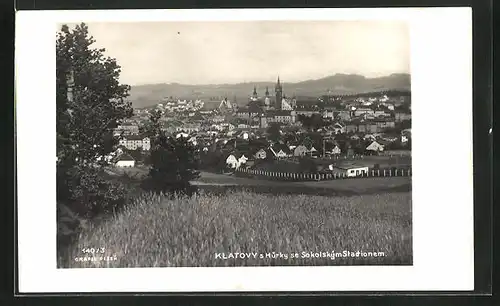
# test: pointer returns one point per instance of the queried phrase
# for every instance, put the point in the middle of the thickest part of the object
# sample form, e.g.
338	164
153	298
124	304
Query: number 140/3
94	250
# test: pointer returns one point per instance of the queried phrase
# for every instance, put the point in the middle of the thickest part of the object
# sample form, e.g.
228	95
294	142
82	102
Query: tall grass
158	231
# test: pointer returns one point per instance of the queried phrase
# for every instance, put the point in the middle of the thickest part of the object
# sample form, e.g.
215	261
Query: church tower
279	94
254	94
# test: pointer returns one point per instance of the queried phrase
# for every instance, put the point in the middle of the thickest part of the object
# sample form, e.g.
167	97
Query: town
335	133
309	157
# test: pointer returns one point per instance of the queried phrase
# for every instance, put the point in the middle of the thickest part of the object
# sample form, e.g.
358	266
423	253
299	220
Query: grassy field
160	232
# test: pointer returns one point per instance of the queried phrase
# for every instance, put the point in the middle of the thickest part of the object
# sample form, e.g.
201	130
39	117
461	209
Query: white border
441	61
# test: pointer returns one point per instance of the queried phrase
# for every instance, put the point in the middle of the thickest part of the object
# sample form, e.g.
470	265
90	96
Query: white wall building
124	161
133	142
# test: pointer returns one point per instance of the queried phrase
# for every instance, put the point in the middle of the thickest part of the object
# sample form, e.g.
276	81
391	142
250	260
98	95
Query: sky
234	52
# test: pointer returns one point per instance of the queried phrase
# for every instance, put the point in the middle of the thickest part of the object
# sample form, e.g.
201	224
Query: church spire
267	91
255	91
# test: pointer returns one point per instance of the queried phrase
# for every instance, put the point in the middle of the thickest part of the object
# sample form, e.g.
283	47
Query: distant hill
148	95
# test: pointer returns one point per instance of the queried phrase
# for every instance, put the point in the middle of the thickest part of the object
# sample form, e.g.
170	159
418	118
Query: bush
84	191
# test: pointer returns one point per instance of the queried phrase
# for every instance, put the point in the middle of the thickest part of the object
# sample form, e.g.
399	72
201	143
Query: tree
174	164
153	126
137	154
96	104
317	121
90	103
305	121
274	132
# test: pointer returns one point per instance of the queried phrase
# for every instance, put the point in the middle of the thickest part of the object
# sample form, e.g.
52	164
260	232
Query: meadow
161	231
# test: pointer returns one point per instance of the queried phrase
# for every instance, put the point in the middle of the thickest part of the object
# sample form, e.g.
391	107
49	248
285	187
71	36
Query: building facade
133	142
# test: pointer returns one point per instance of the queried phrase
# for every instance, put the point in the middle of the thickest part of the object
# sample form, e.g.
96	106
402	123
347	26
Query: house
351	128
339	128
379	113
372	127
343	115
126	129
133	142
349	170
182	134
369	137
242	159
124	161
280	116
383	124
307	113
243	135
312	151
232	161
375	147
217	119
243	126
362	111
329	113
336	150
300	150
261	154
188	128
280	151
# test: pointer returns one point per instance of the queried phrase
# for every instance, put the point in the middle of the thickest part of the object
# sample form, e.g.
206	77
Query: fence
289	176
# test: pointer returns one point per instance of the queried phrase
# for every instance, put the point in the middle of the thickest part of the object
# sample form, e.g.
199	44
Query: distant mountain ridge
149	95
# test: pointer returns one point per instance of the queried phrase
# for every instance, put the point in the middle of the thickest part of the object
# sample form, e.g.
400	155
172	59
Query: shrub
87	193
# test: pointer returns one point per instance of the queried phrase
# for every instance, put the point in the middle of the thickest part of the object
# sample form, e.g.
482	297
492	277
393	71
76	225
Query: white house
244	135
182	134
349	171
232	161
375	146
261	154
336	150
242	160
369	137
124	161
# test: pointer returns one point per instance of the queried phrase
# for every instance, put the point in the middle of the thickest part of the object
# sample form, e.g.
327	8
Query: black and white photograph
262	143
269	146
